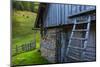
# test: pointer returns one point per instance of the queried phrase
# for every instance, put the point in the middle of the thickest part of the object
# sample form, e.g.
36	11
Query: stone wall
48	46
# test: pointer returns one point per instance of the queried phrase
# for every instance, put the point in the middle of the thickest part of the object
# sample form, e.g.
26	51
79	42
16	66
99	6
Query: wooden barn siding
55	45
57	13
90	53
64	42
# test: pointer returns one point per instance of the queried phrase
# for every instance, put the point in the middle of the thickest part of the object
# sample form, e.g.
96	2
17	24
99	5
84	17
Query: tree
23	5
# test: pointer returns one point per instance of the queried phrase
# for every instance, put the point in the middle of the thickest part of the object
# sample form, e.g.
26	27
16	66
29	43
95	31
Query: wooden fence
23	48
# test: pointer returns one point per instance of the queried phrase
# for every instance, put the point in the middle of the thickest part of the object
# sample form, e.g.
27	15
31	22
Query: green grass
31	57
22	40
22	24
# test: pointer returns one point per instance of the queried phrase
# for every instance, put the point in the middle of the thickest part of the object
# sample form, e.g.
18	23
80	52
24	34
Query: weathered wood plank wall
54	46
89	52
57	14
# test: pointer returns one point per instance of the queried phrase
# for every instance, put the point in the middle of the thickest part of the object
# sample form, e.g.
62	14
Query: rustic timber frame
56	35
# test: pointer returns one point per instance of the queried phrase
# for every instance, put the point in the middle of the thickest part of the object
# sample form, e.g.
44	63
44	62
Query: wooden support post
25	47
29	45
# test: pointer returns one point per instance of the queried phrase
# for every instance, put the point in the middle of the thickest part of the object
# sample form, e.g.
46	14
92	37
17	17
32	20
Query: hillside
23	19
22	24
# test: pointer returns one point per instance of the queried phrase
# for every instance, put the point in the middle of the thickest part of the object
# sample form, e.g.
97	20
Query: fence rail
23	48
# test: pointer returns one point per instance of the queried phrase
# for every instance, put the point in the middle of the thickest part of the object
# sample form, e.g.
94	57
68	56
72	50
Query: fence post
16	49
34	44
25	47
22	47
30	46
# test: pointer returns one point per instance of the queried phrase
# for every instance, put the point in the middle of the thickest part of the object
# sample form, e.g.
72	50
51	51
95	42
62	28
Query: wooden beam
83	13
35	28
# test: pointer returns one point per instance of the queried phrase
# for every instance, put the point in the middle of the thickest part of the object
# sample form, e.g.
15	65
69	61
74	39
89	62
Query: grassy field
22	24
31	57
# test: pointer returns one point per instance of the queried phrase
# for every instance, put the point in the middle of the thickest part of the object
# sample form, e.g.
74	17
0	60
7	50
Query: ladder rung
76	48
89	57
80	30
78	38
82	22
74	58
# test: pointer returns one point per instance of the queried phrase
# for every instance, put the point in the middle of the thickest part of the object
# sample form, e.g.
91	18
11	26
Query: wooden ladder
85	39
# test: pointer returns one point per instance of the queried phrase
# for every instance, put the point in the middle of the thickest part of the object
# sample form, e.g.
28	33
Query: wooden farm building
68	32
